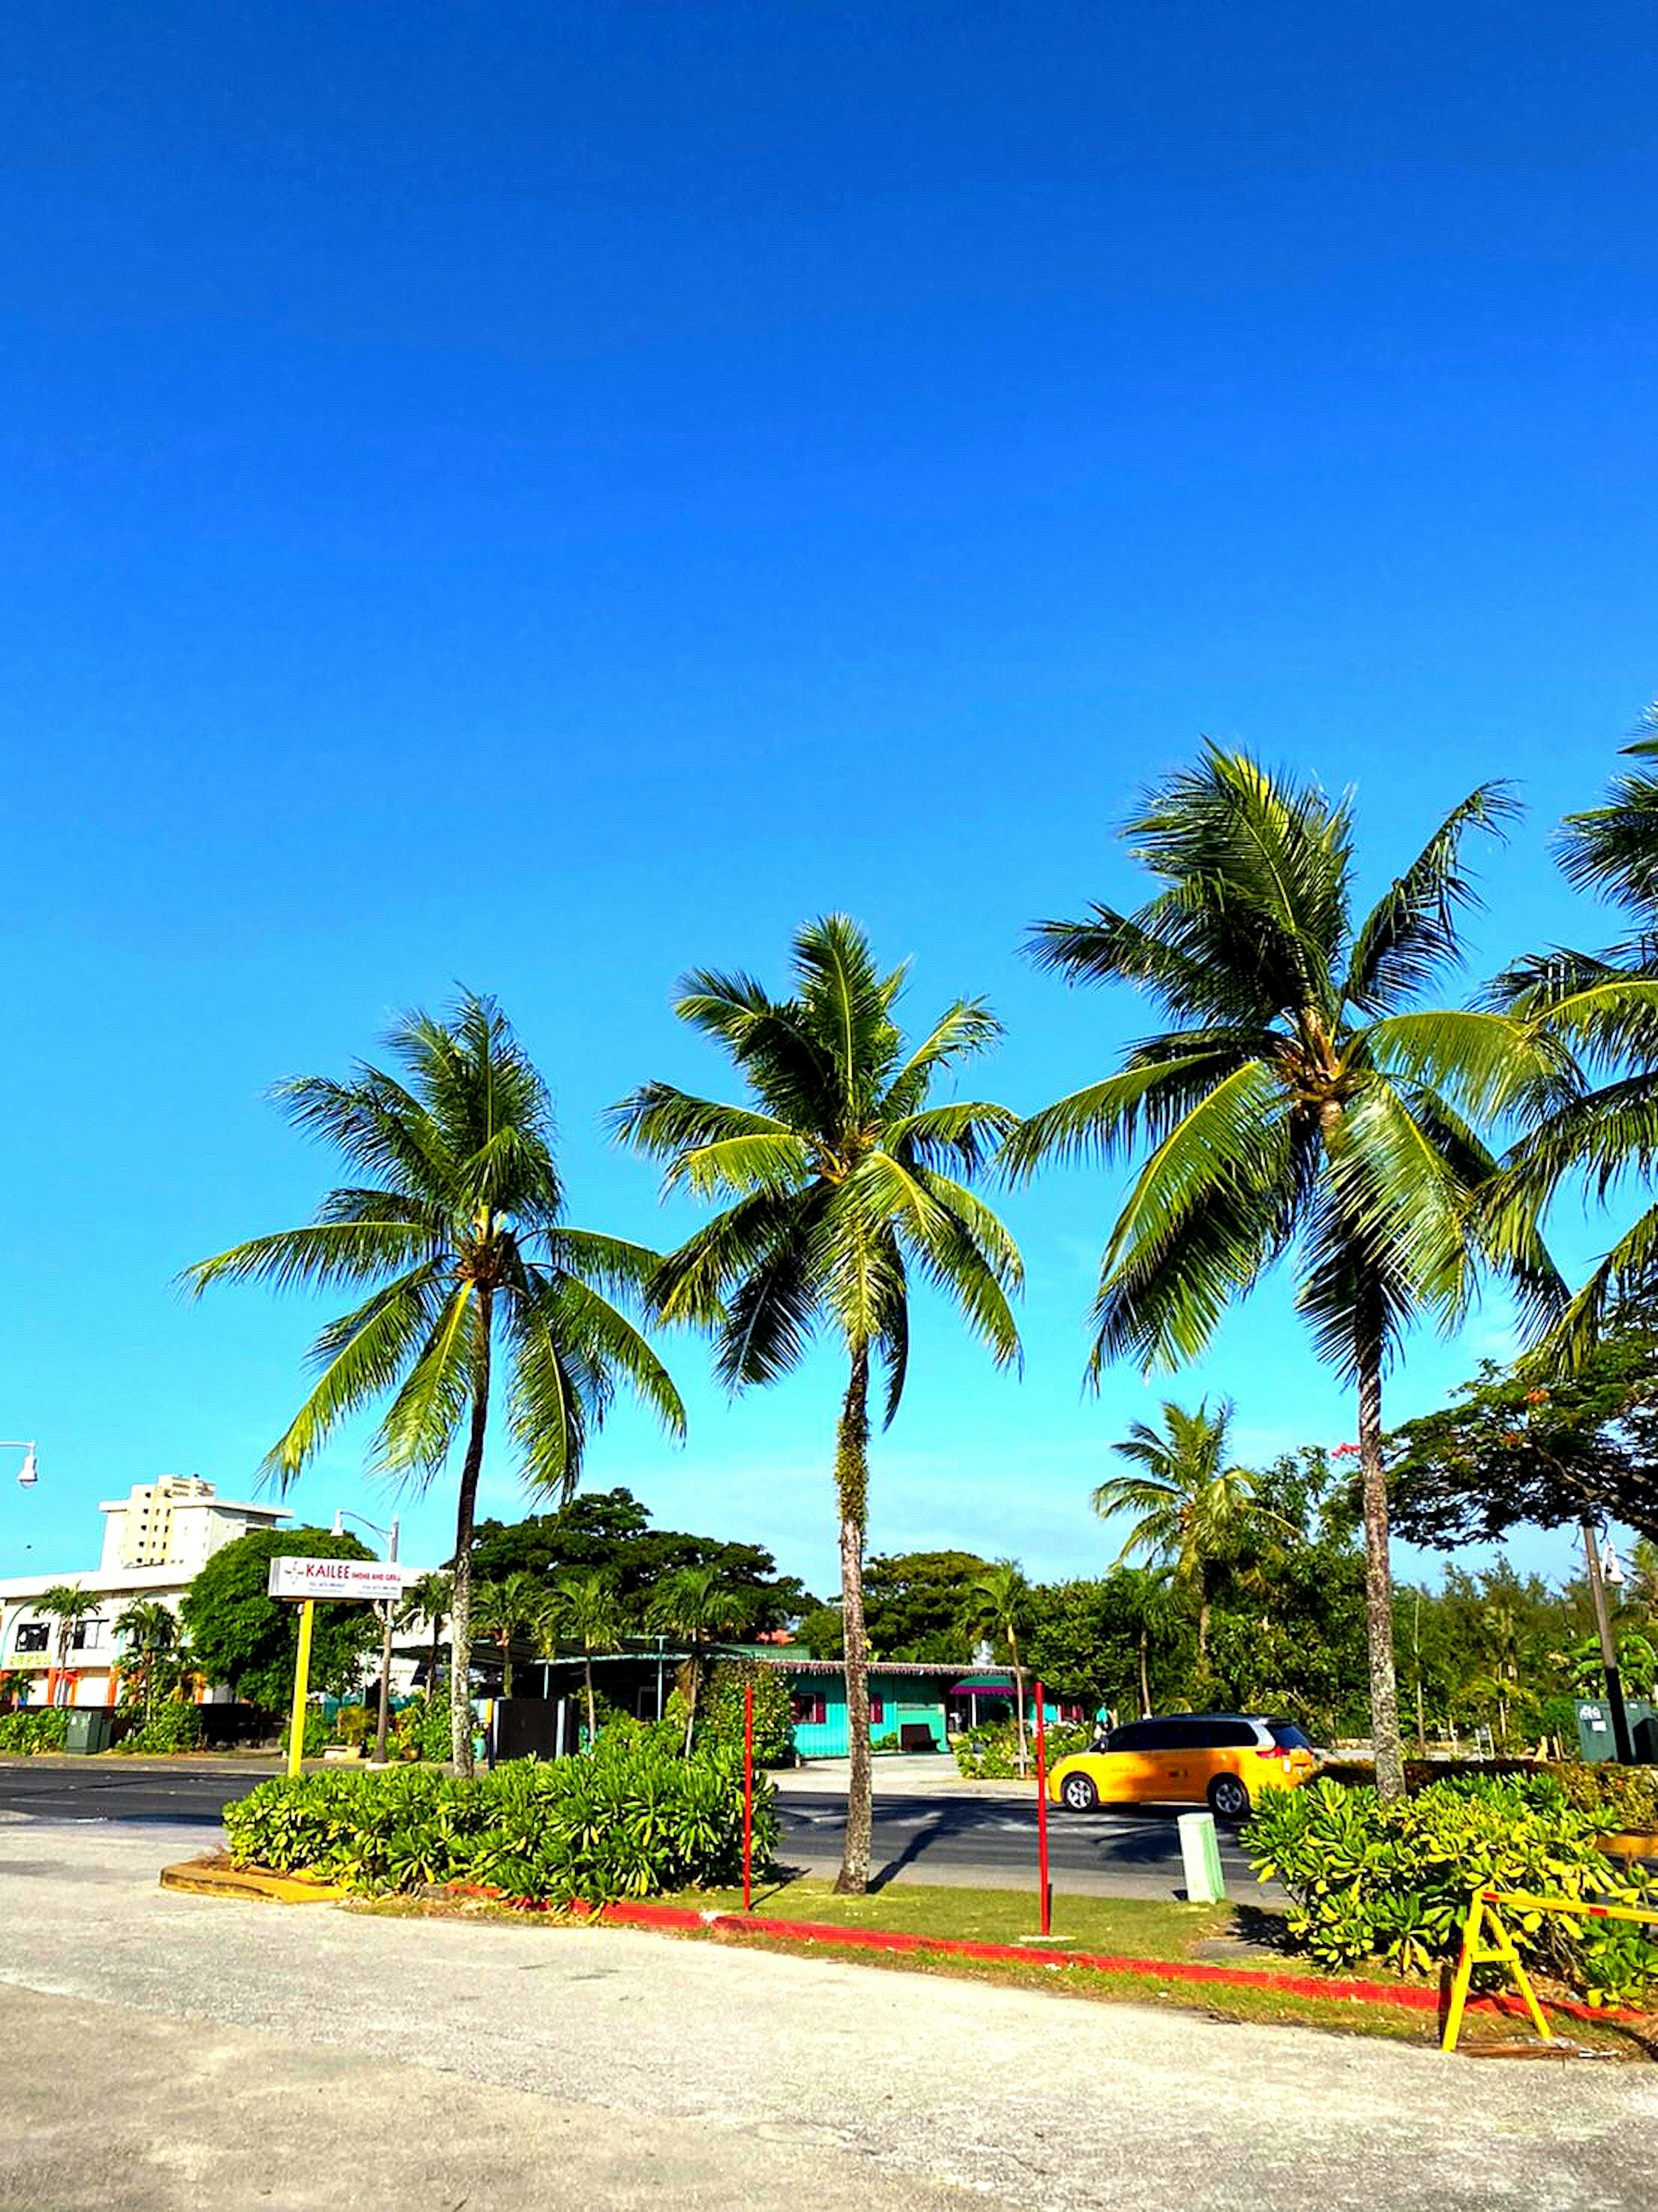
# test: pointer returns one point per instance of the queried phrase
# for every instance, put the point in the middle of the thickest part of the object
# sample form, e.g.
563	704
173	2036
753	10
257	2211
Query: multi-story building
156	1539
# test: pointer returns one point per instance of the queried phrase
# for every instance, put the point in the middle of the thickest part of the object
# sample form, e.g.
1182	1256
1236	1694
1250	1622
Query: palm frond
1410	937
361	1356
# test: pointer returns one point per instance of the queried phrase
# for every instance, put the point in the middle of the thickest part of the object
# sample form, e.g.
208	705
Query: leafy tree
838	1183
608	1531
458	1233
1147	1598
821	1632
913	1605
697	1607
152	1654
1510	1448
249	1641
997	1606
69	1605
428	1598
774	1714
1637	1661
507	1612
1191	1507
1295	1103
584	1609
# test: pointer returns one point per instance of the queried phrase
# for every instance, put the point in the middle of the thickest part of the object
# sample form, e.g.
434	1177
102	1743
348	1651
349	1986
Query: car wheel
1228	1798
1078	1793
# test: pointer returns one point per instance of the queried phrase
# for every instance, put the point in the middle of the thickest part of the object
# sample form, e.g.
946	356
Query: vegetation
166	1729
837	1182
627	1817
457	1235
1391	1880
722	1719
698	1610
428	1598
154	1659
506	1612
248	1641
1299	1100
30	1728
1000	1754
68	1605
997	1608
583	1610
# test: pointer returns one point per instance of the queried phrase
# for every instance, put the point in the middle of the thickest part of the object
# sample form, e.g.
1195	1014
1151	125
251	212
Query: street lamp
342	1515
1623	1750
31	1473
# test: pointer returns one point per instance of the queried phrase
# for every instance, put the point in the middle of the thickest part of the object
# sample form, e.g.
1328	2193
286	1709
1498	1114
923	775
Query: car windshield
1288	1737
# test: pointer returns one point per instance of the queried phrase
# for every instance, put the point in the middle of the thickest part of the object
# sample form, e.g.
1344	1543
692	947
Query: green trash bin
88	1730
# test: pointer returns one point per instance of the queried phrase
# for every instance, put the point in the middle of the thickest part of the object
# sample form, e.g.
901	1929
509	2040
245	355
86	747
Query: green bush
627	1818
422	1728
34	1728
353	1725
719	1713
992	1754
1393	1881
169	1728
1628	1796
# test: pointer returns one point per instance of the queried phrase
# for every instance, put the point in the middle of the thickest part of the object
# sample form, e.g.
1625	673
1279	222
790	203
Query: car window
1288	1737
1141	1735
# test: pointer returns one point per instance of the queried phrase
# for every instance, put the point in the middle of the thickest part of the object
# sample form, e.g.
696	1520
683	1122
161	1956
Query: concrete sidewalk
196	2052
900	1774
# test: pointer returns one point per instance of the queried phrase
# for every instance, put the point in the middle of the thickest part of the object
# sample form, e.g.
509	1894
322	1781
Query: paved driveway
165	2053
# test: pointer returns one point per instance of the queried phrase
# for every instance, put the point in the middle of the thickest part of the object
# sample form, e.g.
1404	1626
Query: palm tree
150	1645
1294	1101
998	1607
1604	1005
1637	1659
1146	1598
584	1609
505	1611
694	1605
837	1181
428	1598
1191	1508
69	1605
459	1227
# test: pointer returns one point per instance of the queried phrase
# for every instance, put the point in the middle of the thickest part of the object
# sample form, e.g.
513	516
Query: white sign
353	1578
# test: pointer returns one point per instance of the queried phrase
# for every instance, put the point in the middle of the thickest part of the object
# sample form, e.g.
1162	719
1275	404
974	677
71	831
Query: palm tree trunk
1145	1683
1018	1700
593	1710
1203	1621
506	1667
460	1609
852	1496
1378	1571
693	1683
437	1647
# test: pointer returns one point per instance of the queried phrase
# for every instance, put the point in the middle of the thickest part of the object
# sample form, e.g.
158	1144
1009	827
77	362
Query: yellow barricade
1483	1921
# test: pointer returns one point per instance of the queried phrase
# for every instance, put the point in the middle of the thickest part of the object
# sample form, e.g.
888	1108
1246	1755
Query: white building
156	1541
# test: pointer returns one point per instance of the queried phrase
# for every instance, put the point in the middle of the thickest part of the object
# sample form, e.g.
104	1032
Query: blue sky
542	497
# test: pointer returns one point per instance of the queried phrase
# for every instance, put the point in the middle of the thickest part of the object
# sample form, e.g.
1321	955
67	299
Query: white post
1199	1850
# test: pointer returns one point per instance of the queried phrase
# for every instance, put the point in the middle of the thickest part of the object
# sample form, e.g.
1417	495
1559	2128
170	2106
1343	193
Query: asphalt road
935	1837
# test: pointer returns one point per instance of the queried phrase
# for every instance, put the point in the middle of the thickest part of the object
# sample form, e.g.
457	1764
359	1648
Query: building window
877	1710
32	1636
85	1635
807	1710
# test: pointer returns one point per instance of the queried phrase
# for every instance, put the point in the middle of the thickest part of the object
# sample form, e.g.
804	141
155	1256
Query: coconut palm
1191	1509
1146	1598
696	1607
1295	1101
998	1607
1604	1005
457	1233
507	1613
1637	1659
837	1183
150	1647
428	1598
584	1609
69	1605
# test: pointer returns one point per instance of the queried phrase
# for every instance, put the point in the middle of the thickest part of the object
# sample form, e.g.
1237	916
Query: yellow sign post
301	1684
1483	1923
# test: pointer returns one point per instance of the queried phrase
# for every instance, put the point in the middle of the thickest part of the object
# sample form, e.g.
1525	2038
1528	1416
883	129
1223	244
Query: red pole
748	1794
1042	1817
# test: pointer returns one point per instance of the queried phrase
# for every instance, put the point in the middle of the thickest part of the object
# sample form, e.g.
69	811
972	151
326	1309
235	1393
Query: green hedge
627	1818
1393	1881
992	1754
1627	1796
31	1729
169	1728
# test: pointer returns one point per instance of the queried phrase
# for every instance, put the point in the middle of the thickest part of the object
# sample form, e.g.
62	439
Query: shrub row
171	1727
32	1729
1393	1881
992	1754
627	1818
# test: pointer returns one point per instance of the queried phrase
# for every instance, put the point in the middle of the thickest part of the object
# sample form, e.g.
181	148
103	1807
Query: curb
242	1883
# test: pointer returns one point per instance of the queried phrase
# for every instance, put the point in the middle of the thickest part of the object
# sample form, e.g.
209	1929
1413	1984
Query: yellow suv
1223	1760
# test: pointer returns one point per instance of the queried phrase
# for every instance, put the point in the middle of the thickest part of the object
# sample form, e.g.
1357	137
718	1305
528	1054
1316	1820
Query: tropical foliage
246	1640
1299	1099
456	1235
997	1608
698	1610
838	1180
583	1610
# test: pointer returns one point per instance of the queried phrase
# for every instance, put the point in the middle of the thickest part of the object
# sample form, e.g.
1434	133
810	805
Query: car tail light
1271	1751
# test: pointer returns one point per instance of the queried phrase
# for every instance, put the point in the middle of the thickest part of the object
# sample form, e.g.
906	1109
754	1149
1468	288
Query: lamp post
1622	1751
341	1515
31	1473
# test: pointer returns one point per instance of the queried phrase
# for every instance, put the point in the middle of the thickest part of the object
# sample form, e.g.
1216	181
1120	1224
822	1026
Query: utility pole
383	1721
1622	1751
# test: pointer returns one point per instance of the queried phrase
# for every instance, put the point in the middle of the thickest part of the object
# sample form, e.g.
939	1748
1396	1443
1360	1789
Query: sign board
348	1579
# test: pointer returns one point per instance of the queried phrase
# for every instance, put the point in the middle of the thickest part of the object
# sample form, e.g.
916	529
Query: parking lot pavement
543	2053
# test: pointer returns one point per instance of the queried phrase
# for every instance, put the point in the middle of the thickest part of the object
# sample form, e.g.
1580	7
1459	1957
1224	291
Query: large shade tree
477	1289
1295	1099
838	1182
